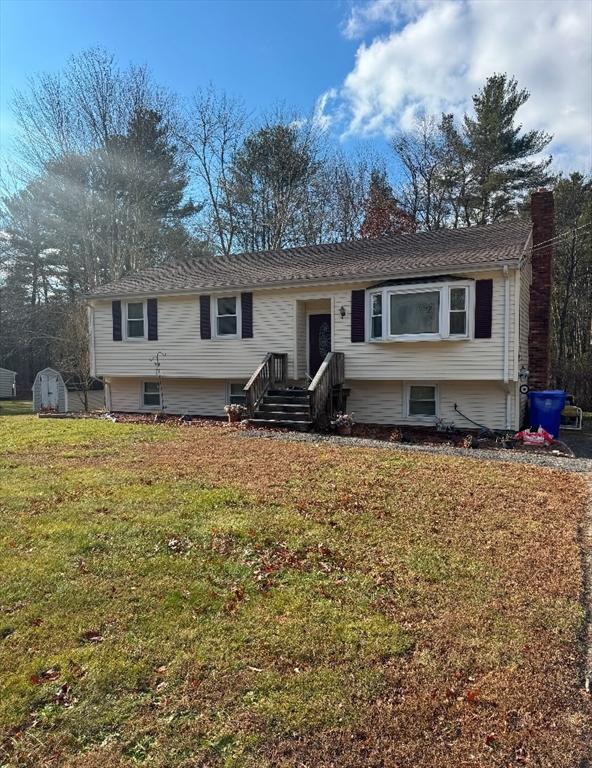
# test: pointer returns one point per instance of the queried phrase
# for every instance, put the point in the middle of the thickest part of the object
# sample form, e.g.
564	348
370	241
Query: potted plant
343	423
235	412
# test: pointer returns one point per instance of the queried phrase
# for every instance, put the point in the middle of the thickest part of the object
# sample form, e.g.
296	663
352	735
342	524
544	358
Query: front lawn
15	407
188	596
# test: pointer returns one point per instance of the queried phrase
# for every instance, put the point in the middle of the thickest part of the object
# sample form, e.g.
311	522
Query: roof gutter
346	280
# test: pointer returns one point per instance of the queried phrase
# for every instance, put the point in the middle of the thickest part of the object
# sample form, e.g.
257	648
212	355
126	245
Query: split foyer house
410	328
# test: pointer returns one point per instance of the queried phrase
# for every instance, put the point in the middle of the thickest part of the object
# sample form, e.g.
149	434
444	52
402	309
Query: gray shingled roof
356	259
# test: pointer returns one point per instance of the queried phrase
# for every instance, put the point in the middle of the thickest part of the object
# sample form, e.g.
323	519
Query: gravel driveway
541	460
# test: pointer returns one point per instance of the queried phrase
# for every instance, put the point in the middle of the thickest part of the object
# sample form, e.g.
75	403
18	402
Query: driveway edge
586	539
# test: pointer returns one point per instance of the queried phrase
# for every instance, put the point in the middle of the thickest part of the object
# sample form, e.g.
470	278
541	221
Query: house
62	392
412	329
7	384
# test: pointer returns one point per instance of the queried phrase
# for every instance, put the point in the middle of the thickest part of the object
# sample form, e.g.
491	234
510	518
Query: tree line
112	173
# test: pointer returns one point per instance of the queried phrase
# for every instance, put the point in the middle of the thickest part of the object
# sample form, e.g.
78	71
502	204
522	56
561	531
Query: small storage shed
58	391
7	384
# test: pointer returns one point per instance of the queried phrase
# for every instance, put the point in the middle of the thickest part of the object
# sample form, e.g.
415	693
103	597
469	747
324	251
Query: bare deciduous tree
212	133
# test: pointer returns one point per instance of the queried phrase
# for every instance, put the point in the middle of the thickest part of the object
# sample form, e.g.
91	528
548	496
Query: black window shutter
358	314
247	315
152	312
116	315
483	308
205	322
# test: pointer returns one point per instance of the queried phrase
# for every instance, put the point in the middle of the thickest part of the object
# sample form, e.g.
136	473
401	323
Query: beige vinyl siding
7	381
201	397
300	361
382	402
279	326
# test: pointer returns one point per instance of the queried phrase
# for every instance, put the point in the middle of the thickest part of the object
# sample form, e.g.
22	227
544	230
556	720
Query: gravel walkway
564	463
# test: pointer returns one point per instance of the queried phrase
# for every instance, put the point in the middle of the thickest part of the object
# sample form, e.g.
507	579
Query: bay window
376	315
427	312
458	311
414	313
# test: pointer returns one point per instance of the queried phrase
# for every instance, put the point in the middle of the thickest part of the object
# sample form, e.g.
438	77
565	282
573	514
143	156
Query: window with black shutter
205	320
116	315
483	308
358	315
247	315
152	313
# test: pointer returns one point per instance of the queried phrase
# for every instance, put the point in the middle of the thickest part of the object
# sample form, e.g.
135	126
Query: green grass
176	597
15	407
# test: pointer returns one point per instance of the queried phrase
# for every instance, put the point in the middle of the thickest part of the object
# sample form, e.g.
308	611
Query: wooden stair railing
331	375
271	373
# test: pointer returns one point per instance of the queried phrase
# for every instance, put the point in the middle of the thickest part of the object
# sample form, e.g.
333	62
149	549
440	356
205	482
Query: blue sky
370	67
265	52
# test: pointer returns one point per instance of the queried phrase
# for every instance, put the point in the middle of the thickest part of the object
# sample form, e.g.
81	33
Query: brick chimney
542	211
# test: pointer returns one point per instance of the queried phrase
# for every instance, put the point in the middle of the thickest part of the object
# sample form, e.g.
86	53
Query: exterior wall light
342	311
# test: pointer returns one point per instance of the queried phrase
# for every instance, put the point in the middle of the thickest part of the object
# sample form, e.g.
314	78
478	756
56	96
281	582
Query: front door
319	341
49	390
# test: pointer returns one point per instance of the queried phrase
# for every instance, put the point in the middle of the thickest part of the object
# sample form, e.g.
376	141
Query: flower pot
345	430
233	417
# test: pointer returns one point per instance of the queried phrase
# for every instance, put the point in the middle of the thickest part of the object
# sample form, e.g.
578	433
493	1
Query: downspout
507	341
516	356
90	310
506	323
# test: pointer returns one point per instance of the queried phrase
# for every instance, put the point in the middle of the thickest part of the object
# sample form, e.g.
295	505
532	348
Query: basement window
422	401
151	394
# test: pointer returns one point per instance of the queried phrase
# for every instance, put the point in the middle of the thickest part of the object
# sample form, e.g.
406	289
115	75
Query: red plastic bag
540	437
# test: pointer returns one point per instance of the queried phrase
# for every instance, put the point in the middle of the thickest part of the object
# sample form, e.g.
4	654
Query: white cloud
364	16
322	116
433	56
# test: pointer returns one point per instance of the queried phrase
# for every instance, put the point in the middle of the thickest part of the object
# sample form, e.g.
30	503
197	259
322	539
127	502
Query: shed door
49	390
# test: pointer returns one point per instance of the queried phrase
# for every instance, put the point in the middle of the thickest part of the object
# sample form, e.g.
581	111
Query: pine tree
493	162
383	215
271	177
143	183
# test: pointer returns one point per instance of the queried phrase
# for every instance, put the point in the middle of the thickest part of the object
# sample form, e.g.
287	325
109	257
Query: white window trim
145	308
143	406
214	316
407	395
228	386
444	315
468	314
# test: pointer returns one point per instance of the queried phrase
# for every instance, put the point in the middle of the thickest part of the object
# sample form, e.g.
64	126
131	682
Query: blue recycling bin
545	408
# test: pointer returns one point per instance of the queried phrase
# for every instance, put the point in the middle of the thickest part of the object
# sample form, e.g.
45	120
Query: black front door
319	341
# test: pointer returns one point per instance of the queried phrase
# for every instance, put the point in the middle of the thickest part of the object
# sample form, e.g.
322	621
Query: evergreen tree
383	215
271	177
571	301
142	183
492	162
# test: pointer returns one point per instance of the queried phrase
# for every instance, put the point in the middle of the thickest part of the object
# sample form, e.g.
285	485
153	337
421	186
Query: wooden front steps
286	408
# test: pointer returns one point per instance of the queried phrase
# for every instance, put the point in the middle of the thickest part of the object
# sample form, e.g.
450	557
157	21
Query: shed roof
500	243
72	381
